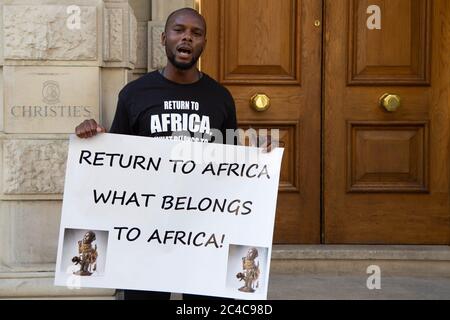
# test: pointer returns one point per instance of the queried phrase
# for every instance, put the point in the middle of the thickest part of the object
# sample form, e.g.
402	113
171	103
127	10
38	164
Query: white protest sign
159	215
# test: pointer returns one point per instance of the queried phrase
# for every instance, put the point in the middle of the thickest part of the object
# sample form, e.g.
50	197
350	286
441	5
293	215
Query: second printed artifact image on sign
247	268
84	252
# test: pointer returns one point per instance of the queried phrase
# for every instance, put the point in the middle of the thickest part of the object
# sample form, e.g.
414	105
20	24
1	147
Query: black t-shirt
154	106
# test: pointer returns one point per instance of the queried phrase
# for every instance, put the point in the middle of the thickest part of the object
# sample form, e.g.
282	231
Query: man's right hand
88	128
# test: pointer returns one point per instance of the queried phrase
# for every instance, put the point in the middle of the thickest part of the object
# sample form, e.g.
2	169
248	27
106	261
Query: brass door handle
260	102
391	102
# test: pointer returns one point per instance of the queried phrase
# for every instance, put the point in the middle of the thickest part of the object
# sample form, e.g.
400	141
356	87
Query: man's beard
179	65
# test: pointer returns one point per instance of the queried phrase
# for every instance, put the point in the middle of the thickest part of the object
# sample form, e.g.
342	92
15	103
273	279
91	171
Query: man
178	100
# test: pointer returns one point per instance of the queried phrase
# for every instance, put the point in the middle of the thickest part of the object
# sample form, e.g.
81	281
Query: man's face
184	40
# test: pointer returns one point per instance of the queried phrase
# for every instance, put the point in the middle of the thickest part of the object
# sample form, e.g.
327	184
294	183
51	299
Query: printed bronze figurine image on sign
251	271
87	255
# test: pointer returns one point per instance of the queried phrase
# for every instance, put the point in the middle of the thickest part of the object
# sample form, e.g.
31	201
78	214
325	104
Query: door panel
397	54
386	174
259	42
273	47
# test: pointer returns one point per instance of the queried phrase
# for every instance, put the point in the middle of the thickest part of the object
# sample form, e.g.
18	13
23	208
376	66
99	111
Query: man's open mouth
184	52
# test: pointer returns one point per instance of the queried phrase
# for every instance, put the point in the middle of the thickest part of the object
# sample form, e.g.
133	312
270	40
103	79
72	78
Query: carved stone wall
53	75
34	166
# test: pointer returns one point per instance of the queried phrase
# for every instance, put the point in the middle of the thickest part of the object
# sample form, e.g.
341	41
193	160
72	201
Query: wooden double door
359	90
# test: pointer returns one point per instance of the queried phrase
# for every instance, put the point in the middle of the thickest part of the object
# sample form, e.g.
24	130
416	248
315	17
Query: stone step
393	260
351	287
40	285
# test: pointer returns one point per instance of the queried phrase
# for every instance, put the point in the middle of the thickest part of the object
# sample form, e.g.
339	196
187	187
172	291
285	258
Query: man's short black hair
187	9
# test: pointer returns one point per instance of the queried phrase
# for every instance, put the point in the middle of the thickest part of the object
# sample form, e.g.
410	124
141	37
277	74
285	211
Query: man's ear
163	39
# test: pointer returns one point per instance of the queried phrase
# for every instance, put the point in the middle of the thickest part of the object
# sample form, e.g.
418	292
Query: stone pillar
119	53
142	9
61	61
160	11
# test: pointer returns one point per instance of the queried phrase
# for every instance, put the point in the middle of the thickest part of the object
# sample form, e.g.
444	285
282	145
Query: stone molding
113	35
120	35
142	45
157	55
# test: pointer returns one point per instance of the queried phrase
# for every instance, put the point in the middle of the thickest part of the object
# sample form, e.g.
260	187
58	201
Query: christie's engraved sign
50	99
51	111
50	96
